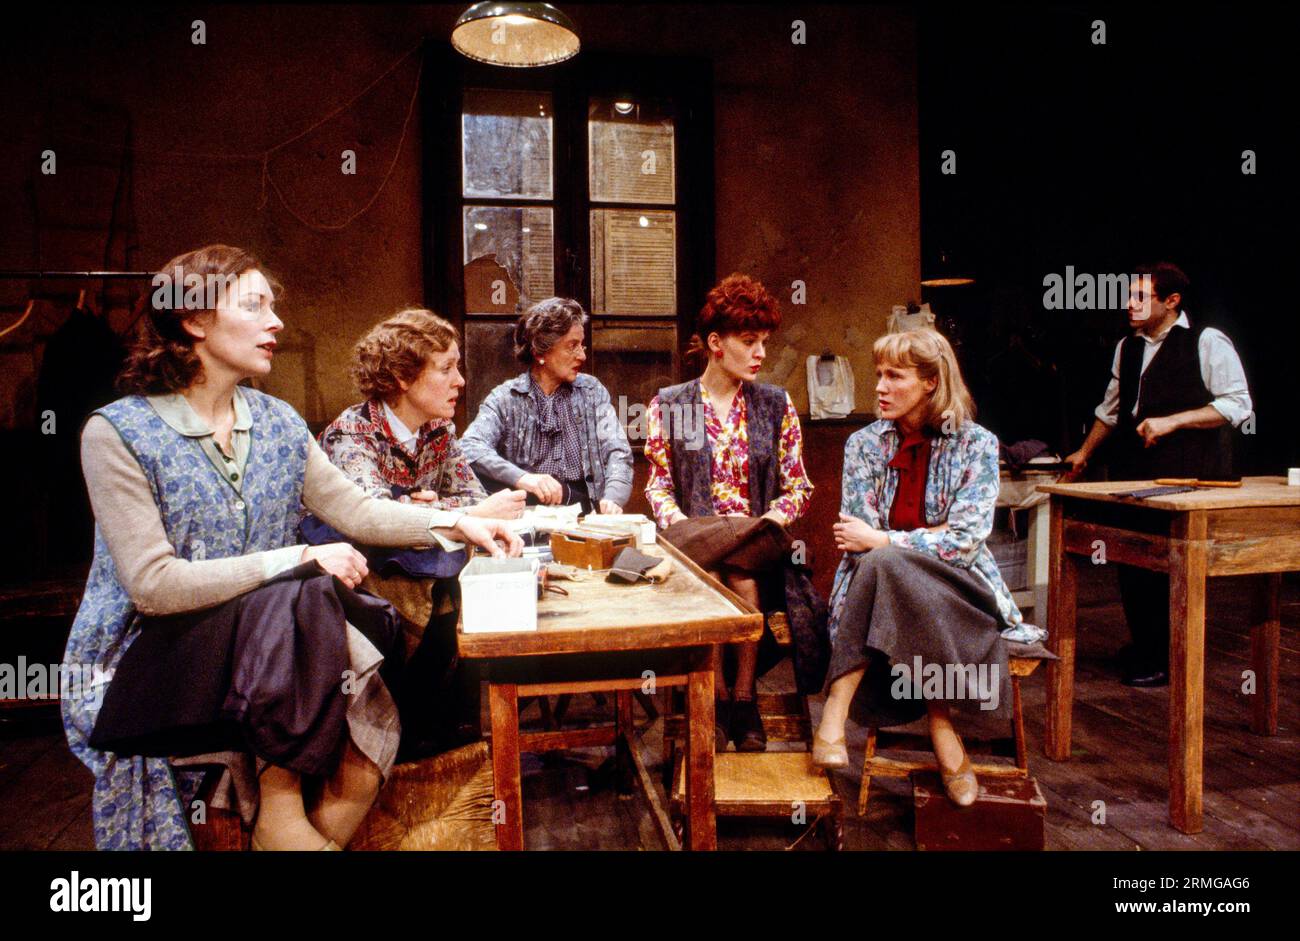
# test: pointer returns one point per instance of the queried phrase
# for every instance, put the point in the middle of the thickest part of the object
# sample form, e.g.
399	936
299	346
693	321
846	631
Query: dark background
826	168
1103	157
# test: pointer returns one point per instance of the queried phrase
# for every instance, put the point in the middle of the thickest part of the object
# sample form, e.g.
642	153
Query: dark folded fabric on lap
263	672
762	549
743	543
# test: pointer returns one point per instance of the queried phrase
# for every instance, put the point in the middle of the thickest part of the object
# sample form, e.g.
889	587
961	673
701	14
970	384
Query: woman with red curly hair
726	479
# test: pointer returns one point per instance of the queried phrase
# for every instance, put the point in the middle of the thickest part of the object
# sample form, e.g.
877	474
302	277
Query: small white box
498	595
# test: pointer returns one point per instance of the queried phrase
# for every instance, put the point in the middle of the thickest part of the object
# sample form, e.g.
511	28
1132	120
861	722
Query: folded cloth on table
632	566
1020	453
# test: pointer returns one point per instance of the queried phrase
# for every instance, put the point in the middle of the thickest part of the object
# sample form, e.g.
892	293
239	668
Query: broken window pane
633	261
509	258
631	156
506	144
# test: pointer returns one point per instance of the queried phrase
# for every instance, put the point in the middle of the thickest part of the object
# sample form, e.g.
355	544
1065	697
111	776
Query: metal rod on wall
69	275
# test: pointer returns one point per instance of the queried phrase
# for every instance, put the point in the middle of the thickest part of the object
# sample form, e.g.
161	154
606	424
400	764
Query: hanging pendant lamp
517	35
947	272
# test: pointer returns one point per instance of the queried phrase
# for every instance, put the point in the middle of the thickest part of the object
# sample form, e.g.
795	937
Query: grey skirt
924	630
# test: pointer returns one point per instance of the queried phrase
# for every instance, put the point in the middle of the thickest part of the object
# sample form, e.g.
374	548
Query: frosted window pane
506	144
631	157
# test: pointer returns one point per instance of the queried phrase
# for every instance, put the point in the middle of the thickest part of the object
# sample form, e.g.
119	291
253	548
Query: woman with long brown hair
215	637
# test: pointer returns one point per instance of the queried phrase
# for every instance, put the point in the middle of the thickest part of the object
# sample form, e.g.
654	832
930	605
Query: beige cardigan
158	582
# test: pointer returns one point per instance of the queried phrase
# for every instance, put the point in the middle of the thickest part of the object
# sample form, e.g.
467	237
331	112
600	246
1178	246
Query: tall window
590	180
632	232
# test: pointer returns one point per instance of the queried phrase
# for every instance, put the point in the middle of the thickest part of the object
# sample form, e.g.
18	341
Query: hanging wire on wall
264	157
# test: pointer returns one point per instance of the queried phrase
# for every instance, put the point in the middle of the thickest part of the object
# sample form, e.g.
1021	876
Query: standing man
1176	393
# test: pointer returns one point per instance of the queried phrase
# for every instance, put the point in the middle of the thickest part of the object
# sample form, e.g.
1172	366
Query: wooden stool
438	803
764	784
876	765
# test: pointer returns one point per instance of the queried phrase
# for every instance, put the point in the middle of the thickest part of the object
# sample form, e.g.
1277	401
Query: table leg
1265	643
508	815
1061	592
1187	567
624	741
700	820
1039	556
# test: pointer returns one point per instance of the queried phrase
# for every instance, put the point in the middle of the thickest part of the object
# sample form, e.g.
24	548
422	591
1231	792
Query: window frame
687	84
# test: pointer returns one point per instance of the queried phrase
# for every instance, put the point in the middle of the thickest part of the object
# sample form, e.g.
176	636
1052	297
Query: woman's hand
423	496
776	516
502	505
610	507
543	486
340	560
676	518
489	534
854	535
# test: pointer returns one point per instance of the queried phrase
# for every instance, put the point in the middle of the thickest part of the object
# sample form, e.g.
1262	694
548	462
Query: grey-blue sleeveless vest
139	802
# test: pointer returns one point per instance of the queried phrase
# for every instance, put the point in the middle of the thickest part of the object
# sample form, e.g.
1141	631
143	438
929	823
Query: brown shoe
721	724
747	726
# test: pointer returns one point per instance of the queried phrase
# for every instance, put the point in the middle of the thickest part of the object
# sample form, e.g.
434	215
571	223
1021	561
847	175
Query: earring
717	354
541	362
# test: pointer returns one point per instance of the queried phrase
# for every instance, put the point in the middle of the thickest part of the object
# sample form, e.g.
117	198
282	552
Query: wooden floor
1252	784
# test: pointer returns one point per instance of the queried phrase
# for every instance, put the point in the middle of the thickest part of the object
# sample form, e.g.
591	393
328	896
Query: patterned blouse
729	445
961	490
361	444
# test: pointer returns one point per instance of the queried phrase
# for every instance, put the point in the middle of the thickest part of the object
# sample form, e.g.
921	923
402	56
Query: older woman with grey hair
551	431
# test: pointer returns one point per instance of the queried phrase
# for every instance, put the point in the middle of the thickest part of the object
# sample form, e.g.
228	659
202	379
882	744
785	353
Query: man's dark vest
1172	383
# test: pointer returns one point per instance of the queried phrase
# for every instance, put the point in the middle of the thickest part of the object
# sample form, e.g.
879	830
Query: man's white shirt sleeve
1223	376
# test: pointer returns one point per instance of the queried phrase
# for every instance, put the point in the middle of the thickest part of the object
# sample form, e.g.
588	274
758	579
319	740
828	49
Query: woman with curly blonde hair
400	443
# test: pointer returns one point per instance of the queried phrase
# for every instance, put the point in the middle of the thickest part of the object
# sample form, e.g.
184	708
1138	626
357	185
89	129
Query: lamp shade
946	273
518	35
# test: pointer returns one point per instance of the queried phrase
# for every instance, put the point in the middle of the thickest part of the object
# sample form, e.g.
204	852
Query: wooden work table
616	637
1251	530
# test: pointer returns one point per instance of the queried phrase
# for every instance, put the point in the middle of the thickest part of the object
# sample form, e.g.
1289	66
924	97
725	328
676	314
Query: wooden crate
1009	814
587	550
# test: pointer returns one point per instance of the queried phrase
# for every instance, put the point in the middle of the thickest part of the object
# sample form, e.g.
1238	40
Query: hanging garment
82	357
830	387
900	320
